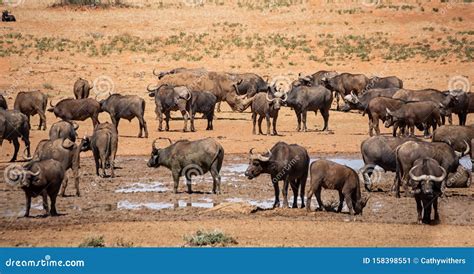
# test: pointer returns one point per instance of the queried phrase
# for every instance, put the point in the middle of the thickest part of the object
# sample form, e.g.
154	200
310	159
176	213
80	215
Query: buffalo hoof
276	205
303	206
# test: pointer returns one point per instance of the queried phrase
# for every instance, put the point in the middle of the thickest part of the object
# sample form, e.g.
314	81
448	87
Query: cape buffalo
303	99
384	82
170	98
380	151
14	125
104	145
267	105
344	179
81	88
361	102
426	177
344	83
377	110
188	159
221	84
63	130
77	109
3	102
31	103
7	17
458	137
202	102
408	152
38	178
67	153
411	114
126	107
284	162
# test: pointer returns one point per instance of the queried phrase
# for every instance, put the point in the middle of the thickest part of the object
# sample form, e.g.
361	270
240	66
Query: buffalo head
257	164
422	178
21	176
360	204
155	153
276	99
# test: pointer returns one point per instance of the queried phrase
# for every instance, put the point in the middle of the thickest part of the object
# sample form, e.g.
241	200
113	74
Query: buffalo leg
186	118
143	126
337	100
159	114
112	172
216	178
189	185
44	195
284	191
341	202
462	118
97	164
303	120
298	118
274	122
42	119
175	182
276	189
309	195
95	120
294	188
218	107
348	203
426	211
167	121
267	118
325	114
375	125
254	121
28	204
419	209
63	187
318	198
435	208
16	145
52	197
302	183
260	119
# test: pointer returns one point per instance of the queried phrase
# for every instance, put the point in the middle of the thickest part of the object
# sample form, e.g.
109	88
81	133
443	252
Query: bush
94	241
209	238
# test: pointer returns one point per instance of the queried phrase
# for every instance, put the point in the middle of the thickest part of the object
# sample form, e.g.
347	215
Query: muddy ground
426	44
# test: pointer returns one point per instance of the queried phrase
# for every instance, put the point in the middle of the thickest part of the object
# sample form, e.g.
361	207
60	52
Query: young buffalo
344	179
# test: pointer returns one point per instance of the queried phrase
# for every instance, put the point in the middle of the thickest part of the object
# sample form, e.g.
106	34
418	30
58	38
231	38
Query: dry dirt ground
425	44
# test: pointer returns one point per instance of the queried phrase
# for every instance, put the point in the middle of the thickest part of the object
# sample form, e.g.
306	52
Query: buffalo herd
424	169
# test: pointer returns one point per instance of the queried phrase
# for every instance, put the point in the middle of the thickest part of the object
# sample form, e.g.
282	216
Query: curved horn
440	178
51	103
468	148
268	98
284	97
155	73
25	155
416	178
166	138
251	151
35	173
265	158
153	145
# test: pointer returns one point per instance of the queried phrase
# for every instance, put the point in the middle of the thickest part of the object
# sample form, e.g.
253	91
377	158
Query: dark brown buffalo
380	151
8	17
63	130
170	98
221	84
125	107
303	99
384	82
284	162
458	137
38	178
31	103
14	125
426	180
202	102
377	110
315	79
267	105
330	175
104	145
345	83
426	113
3	102
82	88
361	101
408	152
77	109
67	153
188	159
